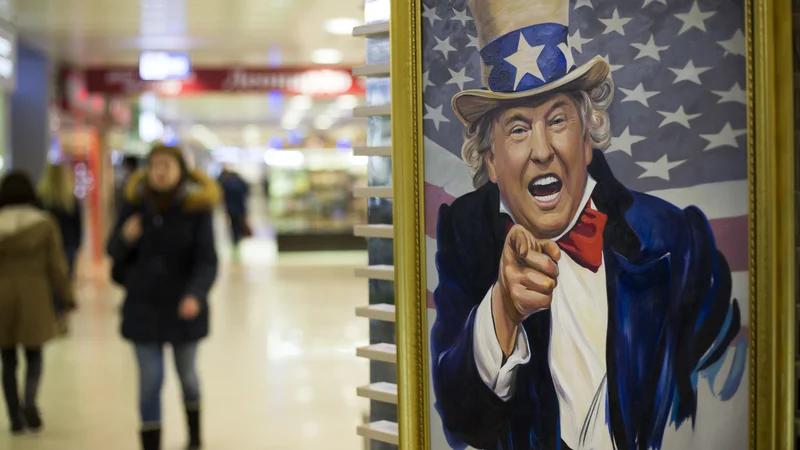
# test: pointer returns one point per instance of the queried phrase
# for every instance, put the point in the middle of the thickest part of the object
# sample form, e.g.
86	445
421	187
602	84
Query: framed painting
594	224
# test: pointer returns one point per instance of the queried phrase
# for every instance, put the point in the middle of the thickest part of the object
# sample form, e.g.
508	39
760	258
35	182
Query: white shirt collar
587	195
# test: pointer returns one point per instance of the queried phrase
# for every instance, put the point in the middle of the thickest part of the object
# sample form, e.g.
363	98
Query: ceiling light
300	102
347	102
326	56
341	26
323	122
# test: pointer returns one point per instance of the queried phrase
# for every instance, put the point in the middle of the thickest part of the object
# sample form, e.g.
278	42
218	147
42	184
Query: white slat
379	352
372	110
376	272
381	311
374	231
372	151
372	30
372	70
372	192
381	391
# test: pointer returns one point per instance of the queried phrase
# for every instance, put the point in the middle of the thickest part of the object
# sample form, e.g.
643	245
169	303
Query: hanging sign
328	82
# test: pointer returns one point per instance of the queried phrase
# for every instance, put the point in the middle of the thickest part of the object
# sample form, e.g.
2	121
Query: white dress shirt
577	354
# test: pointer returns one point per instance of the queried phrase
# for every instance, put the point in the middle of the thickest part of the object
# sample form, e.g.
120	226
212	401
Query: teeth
545	181
546	198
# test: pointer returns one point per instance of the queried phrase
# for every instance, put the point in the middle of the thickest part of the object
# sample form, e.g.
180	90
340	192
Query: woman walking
163	255
57	195
32	268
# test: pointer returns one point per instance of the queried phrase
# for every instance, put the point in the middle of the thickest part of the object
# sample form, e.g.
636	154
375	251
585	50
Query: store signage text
314	82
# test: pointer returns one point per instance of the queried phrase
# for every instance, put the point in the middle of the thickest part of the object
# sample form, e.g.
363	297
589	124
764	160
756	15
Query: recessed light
341	25
326	56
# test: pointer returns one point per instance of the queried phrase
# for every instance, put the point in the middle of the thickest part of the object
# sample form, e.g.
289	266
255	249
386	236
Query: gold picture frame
771	165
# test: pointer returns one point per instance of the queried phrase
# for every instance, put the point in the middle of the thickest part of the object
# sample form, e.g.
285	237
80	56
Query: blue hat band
503	55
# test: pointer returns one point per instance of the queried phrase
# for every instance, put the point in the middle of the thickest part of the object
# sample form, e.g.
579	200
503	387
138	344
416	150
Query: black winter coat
71	225
175	257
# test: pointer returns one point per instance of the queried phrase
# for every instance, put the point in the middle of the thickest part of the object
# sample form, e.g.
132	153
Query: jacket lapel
638	294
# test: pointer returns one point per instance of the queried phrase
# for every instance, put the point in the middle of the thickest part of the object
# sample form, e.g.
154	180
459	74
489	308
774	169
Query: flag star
694	18
637	95
473	41
612	67
647	2
580	3
525	60
725	138
678	116
435	114
659	168
426	79
461	16
576	41
734	45
735	94
458	78
624	141
615	23
430	14
567	52
689	73
650	49
443	46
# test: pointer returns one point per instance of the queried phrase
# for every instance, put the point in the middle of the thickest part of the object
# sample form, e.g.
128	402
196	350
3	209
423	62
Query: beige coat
32	268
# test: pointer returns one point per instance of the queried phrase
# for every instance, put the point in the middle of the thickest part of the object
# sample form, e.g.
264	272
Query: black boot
151	439
193	423
33	420
11	392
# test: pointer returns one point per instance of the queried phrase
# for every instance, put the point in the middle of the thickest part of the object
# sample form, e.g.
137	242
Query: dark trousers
238	226
33	374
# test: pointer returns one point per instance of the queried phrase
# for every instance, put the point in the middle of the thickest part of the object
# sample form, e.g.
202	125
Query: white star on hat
525	60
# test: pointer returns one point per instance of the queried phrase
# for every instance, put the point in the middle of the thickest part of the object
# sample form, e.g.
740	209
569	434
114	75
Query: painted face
163	172
539	162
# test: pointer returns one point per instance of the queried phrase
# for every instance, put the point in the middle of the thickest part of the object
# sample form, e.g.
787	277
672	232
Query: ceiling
220	33
214	32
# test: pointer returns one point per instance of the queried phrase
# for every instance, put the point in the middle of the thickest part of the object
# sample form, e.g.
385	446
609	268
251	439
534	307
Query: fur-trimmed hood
198	193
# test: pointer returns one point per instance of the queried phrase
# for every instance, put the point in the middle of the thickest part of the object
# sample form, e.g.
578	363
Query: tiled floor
278	371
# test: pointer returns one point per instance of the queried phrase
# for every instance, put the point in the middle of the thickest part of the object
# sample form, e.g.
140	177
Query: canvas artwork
586	208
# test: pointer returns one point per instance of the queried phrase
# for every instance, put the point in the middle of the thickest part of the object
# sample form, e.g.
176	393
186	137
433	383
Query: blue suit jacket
670	315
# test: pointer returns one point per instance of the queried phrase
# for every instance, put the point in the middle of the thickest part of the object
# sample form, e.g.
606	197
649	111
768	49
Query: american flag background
678	121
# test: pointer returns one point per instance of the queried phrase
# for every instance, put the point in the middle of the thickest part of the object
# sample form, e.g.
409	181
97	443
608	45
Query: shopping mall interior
281	92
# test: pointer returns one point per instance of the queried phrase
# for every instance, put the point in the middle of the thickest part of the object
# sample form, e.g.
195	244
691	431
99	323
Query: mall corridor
279	370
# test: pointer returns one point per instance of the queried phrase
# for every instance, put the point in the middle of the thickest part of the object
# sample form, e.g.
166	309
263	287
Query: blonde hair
592	105
57	189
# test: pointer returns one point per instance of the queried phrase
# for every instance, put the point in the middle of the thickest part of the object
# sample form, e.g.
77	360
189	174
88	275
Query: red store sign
313	82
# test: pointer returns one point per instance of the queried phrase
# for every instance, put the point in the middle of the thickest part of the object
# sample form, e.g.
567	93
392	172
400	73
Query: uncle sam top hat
525	52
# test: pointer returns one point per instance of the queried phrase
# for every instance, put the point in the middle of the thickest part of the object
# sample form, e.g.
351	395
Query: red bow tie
584	242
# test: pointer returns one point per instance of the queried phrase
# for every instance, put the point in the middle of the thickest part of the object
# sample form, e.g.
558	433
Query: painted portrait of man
571	312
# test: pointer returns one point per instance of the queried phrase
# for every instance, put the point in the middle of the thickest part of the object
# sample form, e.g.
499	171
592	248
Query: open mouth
545	188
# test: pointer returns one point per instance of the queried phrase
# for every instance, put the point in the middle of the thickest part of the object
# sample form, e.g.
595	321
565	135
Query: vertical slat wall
381	429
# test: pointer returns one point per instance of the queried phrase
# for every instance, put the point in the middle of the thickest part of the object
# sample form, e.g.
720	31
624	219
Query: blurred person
33	267
236	191
57	196
128	167
163	255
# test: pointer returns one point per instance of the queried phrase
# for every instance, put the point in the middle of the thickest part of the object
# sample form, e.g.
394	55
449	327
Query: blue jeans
151	377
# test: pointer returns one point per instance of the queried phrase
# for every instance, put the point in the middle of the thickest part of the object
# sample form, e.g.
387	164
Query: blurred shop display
309	192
